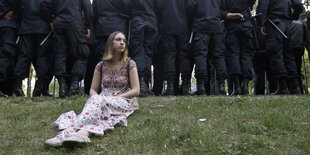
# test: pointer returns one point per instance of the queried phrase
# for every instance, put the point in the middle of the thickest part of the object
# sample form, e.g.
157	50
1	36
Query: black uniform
208	36
237	40
143	39
32	31
262	69
175	32
298	40
281	58
71	18
7	45
109	16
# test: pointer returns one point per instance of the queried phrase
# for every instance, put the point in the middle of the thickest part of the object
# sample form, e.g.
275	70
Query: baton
44	40
17	40
191	37
275	26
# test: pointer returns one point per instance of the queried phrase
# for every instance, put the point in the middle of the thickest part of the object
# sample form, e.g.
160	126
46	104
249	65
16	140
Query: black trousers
71	52
158	67
281	57
299	52
203	44
238	39
93	60
142	44
261	67
173	45
7	54
31	52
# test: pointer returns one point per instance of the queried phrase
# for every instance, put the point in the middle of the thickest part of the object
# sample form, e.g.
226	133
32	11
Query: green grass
168	125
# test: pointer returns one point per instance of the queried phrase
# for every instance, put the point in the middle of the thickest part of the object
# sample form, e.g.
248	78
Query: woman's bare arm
134	83
95	85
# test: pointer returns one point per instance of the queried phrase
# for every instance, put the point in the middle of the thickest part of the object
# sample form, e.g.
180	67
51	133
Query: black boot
208	86
236	85
149	92
170	87
62	86
46	88
38	88
245	86
17	90
294	89
201	90
186	88
74	88
143	87
221	87
282	87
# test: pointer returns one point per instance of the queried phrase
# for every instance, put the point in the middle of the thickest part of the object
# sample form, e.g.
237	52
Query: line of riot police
221	38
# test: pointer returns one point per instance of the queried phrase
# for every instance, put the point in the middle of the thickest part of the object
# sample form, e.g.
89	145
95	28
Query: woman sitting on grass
112	106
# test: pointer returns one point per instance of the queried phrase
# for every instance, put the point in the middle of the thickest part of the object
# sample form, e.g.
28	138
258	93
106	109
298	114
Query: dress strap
128	70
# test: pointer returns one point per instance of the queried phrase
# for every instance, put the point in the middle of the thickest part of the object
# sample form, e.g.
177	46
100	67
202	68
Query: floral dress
102	112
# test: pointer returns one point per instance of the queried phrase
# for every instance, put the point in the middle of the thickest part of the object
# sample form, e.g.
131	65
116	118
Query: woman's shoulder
99	65
132	64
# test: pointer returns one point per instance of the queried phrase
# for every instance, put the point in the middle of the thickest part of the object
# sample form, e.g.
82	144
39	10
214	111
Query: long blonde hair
108	53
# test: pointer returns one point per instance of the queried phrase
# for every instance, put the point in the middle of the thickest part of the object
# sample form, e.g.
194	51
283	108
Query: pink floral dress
102	112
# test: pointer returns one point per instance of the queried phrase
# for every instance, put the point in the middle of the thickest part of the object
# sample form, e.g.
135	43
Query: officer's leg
299	59
80	53
246	60
41	65
158	68
149	46
274	47
60	65
290	64
218	53
7	53
233	58
170	53
200	50
185	66
136	52
25	55
259	67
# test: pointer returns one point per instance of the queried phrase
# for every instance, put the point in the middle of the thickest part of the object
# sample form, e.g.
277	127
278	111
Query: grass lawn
168	125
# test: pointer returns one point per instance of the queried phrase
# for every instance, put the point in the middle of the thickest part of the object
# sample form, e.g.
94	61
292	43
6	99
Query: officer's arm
262	8
88	13
95	17
190	9
47	10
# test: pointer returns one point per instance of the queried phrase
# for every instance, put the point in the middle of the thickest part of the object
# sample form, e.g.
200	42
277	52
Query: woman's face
119	43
